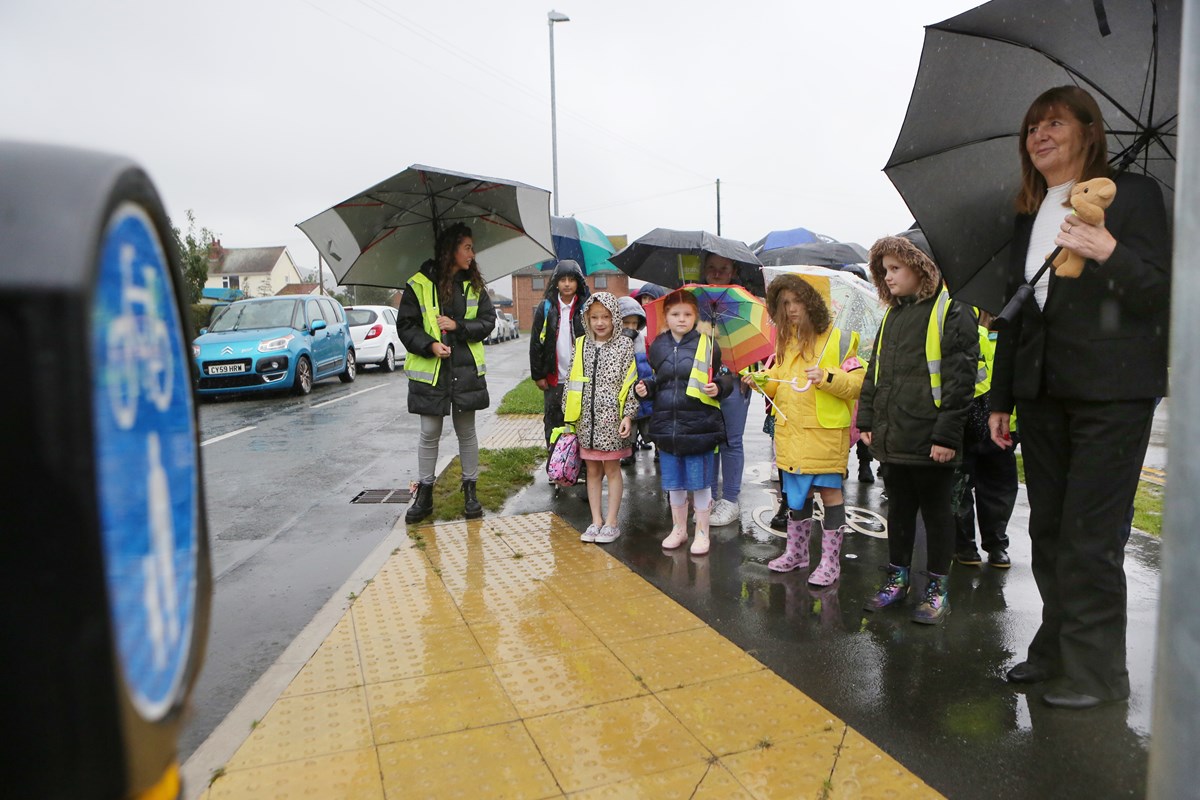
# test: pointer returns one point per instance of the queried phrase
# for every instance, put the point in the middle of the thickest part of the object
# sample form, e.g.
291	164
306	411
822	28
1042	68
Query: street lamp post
553	17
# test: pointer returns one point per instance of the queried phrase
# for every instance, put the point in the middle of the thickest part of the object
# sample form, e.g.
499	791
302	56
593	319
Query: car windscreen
360	316
248	316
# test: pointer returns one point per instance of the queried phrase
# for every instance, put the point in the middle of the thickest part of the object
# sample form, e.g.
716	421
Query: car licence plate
225	369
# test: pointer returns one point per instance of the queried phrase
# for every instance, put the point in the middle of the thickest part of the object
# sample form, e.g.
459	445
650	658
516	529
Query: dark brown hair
447	277
1082	106
816	314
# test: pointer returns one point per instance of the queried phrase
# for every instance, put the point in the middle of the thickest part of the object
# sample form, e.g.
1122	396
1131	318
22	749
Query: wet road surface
933	697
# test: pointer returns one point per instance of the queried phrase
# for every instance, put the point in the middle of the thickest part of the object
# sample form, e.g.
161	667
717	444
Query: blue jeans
732	460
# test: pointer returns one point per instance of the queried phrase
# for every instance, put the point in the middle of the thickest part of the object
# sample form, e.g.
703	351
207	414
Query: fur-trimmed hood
609	301
904	250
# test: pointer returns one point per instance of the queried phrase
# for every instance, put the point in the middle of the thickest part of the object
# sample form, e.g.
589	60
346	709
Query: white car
376	340
504	329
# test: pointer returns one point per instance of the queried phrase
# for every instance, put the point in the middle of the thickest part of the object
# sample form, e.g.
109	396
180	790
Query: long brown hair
816	318
1082	106
444	250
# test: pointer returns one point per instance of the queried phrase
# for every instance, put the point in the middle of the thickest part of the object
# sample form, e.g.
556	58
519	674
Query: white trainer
724	513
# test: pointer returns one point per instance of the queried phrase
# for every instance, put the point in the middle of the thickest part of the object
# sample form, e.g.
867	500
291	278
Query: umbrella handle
796	387
1023	294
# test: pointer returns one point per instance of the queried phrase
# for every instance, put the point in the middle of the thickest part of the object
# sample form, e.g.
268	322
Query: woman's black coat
682	425
460	387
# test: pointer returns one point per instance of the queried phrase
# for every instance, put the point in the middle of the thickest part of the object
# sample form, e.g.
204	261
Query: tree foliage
193	250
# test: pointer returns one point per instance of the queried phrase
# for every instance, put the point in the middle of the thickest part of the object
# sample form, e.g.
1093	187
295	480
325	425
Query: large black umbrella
955	162
381	236
815	254
672	258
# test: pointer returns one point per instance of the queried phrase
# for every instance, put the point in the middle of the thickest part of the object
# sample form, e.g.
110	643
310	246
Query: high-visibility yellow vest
576	381
698	377
832	411
423	368
987	354
933	344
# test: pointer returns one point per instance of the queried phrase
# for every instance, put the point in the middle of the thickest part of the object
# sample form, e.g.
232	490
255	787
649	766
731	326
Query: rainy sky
258	114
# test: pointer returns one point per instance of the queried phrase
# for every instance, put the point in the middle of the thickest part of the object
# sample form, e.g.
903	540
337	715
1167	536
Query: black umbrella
672	258
955	162
815	254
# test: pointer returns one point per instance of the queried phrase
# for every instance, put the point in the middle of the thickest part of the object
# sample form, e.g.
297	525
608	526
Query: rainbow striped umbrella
735	318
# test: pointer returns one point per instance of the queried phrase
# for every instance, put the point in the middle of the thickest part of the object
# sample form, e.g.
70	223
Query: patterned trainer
608	533
589	535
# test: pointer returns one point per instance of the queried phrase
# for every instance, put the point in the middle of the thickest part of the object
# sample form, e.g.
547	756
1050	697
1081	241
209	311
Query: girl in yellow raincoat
813	383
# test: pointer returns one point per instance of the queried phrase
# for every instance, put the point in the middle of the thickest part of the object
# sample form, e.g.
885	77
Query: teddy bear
1089	199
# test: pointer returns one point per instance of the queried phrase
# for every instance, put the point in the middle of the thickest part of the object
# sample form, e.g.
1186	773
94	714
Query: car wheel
389	360
302	382
351	368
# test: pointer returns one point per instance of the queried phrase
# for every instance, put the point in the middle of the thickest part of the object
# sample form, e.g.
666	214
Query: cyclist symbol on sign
139	345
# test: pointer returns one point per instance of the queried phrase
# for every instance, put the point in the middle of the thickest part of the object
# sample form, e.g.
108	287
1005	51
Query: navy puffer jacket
682	425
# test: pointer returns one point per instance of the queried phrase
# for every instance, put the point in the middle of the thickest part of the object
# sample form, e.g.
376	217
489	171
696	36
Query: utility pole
551	18
718	206
320	275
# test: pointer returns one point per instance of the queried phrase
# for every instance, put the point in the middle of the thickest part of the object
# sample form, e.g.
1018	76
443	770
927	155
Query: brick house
299	289
256	271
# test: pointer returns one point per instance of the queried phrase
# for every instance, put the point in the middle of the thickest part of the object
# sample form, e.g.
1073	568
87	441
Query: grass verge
1147	505
524	398
502	473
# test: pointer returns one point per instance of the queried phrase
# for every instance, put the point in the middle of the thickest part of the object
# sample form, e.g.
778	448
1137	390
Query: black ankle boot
422	505
779	522
471	507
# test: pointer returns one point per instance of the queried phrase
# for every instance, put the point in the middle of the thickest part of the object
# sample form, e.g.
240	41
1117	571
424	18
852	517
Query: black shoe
422	505
1027	672
1074	701
471	506
780	520
968	558
999	559
864	474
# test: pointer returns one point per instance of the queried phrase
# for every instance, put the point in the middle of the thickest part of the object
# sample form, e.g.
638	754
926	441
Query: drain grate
382	496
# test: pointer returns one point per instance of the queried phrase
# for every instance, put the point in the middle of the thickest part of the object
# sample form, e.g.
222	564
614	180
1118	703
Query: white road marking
347	396
227	435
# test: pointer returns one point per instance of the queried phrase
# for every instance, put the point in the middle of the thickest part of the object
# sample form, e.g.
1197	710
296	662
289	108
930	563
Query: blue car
273	344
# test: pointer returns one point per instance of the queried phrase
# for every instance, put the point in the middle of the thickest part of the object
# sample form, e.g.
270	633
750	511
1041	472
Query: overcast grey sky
258	114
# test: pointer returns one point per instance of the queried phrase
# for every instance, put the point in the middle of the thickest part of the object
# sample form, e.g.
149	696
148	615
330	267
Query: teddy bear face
1090	198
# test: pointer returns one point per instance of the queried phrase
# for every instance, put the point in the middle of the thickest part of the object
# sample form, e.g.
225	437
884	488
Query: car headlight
270	345
195	351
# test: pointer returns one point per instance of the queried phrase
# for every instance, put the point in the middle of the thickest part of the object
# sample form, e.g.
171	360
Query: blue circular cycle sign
147	462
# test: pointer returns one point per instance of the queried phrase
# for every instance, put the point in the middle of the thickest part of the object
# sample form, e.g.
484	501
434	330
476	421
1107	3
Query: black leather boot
422	505
779	522
471	507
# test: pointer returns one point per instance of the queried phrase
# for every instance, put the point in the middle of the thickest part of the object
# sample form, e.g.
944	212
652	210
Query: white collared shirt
566	338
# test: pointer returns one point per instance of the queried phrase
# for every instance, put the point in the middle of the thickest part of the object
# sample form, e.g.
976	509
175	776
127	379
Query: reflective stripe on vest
933	344
426	369
987	353
630	379
575	384
699	375
833	411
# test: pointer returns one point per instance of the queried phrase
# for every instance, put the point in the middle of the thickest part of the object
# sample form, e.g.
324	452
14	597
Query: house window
539	283
230	282
601	281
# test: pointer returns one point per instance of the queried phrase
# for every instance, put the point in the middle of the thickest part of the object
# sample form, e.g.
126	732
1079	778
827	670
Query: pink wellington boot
700	543
830	568
796	554
679	535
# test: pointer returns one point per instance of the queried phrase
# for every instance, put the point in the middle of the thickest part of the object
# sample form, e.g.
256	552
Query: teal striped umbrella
580	242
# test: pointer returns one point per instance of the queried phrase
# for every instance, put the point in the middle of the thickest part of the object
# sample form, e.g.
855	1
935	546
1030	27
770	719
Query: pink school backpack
565	463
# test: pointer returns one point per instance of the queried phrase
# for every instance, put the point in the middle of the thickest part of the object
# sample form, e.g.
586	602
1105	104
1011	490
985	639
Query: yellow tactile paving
351	774
307	726
433	704
681	659
563	681
497	761
504	658
612	742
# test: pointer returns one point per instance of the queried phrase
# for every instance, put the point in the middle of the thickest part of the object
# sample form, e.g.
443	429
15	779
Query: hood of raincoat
609	301
908	252
631	308
567	267
651	290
